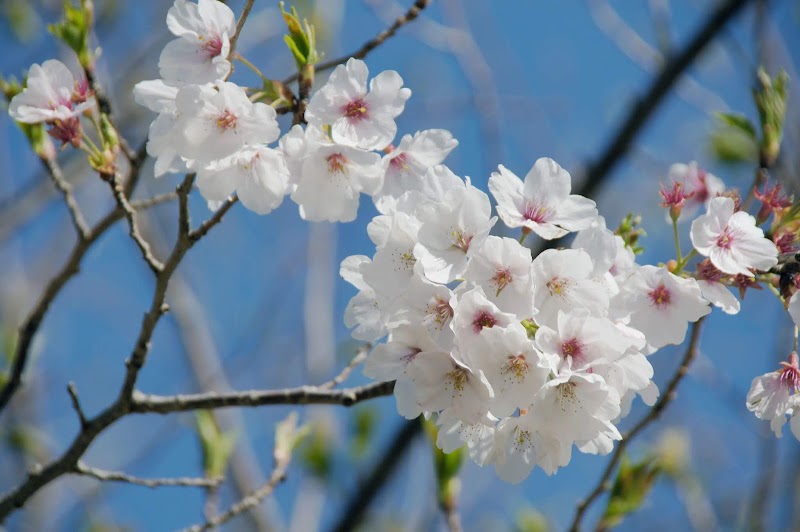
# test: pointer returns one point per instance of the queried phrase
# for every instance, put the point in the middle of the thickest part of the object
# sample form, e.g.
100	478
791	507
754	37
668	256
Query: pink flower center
411	354
441	311
483	319
212	47
501	279
790	373
516	367
660	296
537	213
227	120
572	348
461	240
356	110
400	163
68	131
336	163
556	286
726	239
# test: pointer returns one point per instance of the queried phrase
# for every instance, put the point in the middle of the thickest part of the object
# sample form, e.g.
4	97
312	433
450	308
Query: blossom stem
682	263
251	66
677	238
92	147
794	343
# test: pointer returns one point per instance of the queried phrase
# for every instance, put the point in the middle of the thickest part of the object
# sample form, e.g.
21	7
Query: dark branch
360	501
361	53
290	396
604	484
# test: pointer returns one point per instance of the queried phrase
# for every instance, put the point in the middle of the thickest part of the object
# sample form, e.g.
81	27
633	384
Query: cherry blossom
328	177
407	165
50	95
502	267
732	240
661	304
699	186
451	232
542	203
257	174
358	117
200	53
773	396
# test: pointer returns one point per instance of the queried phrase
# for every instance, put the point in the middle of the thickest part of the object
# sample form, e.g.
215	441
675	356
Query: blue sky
534	79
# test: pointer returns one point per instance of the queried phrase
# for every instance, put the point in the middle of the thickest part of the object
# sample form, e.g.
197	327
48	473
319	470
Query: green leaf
630	232
530	327
301	39
730	145
446	465
217	446
770	99
630	490
74	30
740	122
317	453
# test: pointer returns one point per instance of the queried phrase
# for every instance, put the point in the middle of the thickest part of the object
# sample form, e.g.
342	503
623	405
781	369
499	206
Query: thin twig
278	475
248	6
370	45
166	404
63	186
116	476
359	502
70	269
604	484
360	357
130	214
206	226
76	404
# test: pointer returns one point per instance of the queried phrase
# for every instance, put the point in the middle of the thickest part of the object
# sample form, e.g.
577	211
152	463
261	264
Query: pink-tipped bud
674	198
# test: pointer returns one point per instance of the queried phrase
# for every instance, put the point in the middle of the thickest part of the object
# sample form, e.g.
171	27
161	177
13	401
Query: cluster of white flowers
519	358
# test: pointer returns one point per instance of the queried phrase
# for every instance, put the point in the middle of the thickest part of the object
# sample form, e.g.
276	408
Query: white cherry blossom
563	281
362	313
512	366
774	395
257	174
732	240
328	177
502	267
543	204
661	304
51	93
359	117
475	314
451	231
406	166
217	120
200	53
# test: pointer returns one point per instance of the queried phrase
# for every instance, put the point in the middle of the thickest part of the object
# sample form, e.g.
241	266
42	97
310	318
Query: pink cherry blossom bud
68	131
674	198
773	200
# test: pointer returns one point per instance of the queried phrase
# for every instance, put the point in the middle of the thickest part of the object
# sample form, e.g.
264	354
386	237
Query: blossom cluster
520	358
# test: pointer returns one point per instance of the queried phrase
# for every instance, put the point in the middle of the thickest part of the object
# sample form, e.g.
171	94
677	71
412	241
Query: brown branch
133	229
302	395
65	188
604	484
71	267
370	45
116	476
248	6
76	404
649	102
253	499
206	226
360	357
359	502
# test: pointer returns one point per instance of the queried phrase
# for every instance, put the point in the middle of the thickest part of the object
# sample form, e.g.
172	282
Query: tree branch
604	484
301	395
248	6
360	357
649	102
360	501
206	226
65	188
116	476
361	53
130	214
71	267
